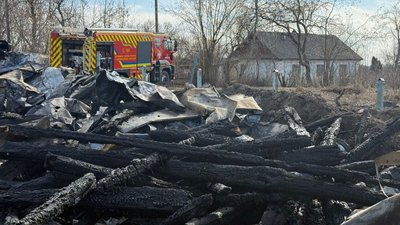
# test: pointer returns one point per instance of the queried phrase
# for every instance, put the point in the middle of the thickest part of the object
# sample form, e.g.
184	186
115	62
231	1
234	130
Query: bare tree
391	21
208	21
297	18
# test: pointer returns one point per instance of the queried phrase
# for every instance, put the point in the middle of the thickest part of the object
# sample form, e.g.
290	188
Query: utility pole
156	12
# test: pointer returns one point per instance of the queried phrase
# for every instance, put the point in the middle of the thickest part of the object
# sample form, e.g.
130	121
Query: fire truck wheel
164	77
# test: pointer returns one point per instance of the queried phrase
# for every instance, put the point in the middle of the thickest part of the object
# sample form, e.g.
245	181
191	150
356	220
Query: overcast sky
360	12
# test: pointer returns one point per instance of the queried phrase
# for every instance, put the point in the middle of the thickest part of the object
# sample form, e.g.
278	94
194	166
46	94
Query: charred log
162	201
367	166
218	217
120	176
219	189
332	132
74	167
176	136
29	152
362	126
320	155
66	197
265	178
144	199
197	207
366	149
269	147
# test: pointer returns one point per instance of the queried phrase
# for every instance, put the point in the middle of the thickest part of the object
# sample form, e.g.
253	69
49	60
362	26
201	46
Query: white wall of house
261	70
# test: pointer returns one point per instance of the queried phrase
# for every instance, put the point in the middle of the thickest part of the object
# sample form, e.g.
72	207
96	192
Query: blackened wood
74	167
219	189
294	121
224	128
272	216
366	149
29	152
196	207
269	147
123	175
332	132
189	141
171	148
11	217
269	179
317	136
362	127
367	166
19	170
47	181
66	197
218	217
338	174
246	199
324	122
329	155
26	197
143	199
7	184
176	136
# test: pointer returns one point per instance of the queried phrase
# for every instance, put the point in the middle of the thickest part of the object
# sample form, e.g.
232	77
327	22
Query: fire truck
140	55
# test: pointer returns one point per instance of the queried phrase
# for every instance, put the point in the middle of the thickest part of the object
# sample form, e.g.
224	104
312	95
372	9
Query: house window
296	70
320	70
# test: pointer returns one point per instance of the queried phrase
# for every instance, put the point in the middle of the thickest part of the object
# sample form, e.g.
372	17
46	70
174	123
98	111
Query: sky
359	12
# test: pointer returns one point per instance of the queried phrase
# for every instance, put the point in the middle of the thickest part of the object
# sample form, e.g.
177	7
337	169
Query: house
263	52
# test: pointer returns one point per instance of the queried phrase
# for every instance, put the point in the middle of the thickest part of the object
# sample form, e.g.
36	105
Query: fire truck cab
141	55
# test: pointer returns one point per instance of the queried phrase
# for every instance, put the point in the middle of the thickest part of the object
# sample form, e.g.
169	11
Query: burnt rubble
104	149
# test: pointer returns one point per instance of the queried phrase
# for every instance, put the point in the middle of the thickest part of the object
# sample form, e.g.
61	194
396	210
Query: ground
316	103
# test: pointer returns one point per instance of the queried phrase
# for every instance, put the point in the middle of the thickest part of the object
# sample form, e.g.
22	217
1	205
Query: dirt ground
316	103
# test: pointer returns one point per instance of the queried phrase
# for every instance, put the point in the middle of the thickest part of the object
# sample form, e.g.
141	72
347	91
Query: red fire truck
129	52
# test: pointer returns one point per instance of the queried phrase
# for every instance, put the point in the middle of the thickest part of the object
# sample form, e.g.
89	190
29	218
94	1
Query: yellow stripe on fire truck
56	52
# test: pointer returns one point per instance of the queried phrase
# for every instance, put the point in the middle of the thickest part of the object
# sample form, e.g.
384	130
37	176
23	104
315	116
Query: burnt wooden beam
47	181
328	155
74	167
219	189
218	217
366	149
367	166
175	136
66	197
196	207
270	146
362	126
332	132
163	201
268	179
246	199
170	148
28	152
123	175
324	122
144	199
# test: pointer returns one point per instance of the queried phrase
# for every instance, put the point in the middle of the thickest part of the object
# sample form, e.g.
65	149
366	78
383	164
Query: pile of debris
103	149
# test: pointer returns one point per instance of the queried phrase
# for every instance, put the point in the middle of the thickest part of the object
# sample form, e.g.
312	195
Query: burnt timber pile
107	150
